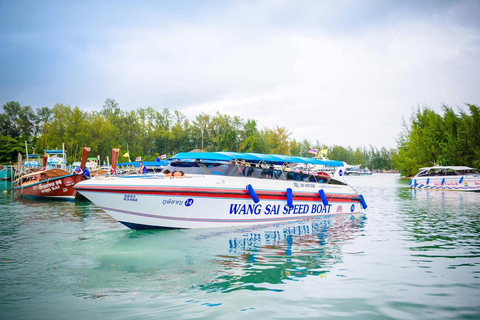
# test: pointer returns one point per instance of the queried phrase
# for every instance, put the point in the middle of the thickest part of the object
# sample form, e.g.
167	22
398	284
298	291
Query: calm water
412	255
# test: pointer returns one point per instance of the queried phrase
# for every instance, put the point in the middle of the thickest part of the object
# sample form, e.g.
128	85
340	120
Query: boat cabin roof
55	152
456	168
274	159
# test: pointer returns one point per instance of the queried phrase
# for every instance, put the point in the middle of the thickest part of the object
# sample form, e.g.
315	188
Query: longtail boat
51	183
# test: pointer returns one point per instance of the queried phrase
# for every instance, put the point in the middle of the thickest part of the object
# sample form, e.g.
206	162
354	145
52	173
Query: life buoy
113	170
323	174
79	170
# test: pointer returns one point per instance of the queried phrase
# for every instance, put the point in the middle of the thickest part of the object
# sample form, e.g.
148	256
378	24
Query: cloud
343	73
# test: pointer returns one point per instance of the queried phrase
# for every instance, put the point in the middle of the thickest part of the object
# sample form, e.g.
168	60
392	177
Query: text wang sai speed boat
456	178
219	189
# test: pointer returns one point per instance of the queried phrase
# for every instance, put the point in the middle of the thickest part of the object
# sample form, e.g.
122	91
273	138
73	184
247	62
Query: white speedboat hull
212	201
446	183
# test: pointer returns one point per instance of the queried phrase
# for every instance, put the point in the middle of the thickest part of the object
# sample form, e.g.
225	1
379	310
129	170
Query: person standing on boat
143	169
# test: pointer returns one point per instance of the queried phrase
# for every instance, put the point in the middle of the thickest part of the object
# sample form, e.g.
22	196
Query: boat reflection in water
262	257
442	201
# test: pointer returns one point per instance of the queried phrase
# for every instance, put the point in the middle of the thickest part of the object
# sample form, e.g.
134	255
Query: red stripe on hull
221	193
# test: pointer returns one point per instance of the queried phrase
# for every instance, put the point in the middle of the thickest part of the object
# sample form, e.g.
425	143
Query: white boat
456	178
221	189
132	169
357	170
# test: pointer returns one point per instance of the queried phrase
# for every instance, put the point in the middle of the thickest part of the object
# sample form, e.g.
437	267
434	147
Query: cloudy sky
341	72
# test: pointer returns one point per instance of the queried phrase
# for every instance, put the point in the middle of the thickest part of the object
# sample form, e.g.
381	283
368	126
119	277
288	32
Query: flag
313	151
126	154
324	151
163	156
138	159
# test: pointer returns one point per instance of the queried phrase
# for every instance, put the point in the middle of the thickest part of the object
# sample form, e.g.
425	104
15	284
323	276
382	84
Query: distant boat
130	169
53	183
357	170
222	189
455	178
56	159
7	172
32	161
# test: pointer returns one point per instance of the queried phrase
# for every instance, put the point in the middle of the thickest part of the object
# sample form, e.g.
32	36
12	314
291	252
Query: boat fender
323	196
362	201
428	180
410	183
461	179
252	193
414	183
289	197
443	181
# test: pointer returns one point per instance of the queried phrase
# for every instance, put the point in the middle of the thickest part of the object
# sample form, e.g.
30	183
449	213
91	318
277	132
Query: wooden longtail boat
51	183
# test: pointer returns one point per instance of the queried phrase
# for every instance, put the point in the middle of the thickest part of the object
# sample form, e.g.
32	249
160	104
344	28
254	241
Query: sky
340	72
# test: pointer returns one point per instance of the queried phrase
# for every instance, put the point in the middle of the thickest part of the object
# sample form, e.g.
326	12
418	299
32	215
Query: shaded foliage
430	139
10	149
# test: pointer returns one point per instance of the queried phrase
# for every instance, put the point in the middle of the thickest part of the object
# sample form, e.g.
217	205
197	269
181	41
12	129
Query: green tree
17	121
10	149
278	140
434	139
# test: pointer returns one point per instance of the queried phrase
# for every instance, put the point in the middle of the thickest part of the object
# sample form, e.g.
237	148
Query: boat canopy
50	173
253	158
55	152
456	168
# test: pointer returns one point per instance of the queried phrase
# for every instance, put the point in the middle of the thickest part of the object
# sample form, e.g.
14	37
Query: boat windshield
448	172
470	172
237	169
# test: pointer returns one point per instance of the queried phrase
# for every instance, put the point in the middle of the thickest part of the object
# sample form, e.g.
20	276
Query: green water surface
410	255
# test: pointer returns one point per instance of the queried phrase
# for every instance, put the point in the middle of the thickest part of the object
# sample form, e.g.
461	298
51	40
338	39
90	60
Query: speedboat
222	189
456	178
357	170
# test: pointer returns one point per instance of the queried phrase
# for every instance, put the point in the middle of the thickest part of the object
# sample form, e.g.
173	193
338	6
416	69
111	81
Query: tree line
432	139
427	138
147	133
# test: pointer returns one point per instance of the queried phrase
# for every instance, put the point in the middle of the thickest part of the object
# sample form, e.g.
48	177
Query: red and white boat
52	183
219	189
